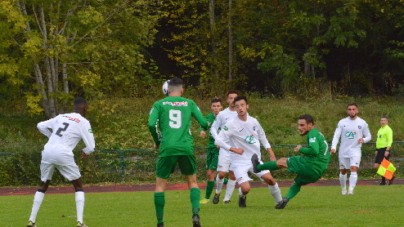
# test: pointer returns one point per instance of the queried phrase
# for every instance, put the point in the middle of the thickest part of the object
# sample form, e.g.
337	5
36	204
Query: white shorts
346	163
241	172
70	172
224	162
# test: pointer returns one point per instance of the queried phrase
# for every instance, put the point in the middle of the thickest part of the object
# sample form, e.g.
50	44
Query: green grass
313	206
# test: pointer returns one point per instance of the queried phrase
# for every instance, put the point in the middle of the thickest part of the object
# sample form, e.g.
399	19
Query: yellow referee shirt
384	137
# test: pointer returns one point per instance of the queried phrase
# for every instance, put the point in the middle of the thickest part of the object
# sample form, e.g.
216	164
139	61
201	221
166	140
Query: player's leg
271	165
231	184
72	173
241	174
344	165
187	165
223	169
164	167
211	163
272	185
353	178
46	176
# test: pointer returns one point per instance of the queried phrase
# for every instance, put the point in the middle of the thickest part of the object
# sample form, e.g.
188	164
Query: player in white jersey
223	166
245	134
353	131
64	132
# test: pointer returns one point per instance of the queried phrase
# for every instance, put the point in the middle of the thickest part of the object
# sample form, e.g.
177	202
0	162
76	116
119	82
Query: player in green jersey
212	154
172	116
309	167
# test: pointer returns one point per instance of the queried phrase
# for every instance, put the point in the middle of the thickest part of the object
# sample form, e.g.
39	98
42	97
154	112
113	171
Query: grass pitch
313	206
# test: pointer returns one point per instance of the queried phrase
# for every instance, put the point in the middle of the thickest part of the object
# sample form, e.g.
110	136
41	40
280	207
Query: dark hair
231	92
352	104
80	101
385	116
308	118
216	99
174	82
238	98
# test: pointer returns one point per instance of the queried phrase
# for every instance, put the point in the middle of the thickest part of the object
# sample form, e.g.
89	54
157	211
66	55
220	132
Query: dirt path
150	187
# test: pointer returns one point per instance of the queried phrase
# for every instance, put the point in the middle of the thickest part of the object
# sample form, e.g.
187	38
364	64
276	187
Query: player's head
241	105
384	120
230	97
305	124
216	105
352	110
80	106
175	87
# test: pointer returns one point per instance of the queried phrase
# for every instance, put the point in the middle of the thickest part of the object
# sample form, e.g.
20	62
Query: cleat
255	163
31	224
226	201
242	201
195	220
80	224
204	201
216	198
391	181
160	224
350	192
343	192
282	204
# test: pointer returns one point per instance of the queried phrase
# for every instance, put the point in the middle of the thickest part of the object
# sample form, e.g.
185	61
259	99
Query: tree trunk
230	41
213	36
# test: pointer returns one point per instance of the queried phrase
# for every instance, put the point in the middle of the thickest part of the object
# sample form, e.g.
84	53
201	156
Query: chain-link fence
138	165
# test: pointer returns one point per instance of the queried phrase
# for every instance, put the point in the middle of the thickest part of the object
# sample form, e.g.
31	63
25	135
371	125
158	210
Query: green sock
225	180
293	190
159	202
268	166
209	189
195	195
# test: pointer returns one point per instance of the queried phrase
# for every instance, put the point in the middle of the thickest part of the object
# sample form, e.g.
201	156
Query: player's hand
386	153
83	155
333	151
361	140
202	134
297	148
239	151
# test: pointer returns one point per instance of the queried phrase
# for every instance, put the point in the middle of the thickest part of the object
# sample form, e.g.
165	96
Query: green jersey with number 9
172	117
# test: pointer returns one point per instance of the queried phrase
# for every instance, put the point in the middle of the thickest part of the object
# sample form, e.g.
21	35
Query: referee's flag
386	169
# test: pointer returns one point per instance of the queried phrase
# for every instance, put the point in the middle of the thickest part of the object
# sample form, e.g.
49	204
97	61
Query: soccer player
224	155
64	132
172	115
309	167
353	131
383	145
213	151
246	135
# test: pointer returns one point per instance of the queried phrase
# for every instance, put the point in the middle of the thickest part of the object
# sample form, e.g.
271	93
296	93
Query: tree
74	47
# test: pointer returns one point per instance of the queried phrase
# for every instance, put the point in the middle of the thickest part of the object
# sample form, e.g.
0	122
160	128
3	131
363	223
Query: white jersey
221	120
243	134
350	131
65	131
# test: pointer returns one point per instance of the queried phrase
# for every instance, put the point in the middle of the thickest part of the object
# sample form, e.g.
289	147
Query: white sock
342	180
231	184
38	198
275	192
352	180
80	205
219	184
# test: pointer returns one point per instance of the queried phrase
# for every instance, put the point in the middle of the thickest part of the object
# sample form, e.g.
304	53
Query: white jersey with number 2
64	132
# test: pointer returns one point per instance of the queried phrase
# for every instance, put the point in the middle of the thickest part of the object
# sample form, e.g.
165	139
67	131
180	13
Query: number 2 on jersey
175	119
62	129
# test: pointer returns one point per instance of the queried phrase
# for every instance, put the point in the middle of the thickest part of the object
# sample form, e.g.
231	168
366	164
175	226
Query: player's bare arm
297	148
271	154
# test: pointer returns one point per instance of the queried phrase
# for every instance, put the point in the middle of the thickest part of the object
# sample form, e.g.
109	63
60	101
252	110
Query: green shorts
305	175
212	158
165	166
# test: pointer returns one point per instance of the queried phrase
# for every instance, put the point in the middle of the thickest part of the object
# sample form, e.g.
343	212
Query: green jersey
210	118
316	154
172	117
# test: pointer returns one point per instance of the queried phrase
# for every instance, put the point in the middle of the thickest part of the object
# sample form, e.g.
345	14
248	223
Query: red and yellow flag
386	169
